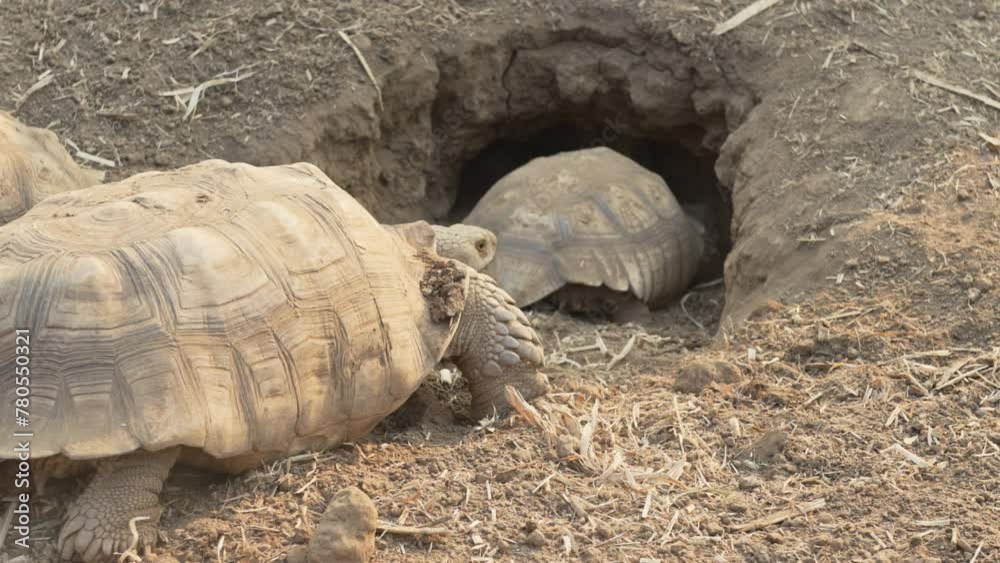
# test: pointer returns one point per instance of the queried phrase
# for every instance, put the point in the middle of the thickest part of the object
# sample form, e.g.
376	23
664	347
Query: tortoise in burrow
33	166
592	228
223	315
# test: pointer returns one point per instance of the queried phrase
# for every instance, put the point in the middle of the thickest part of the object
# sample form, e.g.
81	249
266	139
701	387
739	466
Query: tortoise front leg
97	523
495	346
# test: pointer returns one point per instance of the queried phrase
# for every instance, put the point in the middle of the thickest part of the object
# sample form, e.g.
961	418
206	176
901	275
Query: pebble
536	539
346	531
713	529
698	375
983	283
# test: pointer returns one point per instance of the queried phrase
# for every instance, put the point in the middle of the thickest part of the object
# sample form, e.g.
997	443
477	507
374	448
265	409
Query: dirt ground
859	310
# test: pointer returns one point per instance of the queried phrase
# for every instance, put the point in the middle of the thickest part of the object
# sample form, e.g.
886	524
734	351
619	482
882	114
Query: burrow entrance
455	119
689	174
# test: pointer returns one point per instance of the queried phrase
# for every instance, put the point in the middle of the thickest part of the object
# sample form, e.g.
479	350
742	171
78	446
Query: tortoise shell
592	217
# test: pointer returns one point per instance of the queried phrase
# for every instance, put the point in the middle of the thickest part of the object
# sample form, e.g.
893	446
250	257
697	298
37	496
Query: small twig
95	159
621	355
743	15
195	93
976	554
913	380
44	80
390	528
688	315
780	516
680	425
935	81
132	554
364	63
909	456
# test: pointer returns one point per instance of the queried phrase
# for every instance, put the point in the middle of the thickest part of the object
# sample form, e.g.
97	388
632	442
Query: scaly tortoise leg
495	346
97	522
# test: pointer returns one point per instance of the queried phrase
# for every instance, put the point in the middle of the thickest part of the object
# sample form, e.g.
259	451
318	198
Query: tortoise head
473	246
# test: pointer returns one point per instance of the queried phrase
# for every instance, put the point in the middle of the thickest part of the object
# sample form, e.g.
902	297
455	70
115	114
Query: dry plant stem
131	554
780	516
743	15
935	81
390	528
364	64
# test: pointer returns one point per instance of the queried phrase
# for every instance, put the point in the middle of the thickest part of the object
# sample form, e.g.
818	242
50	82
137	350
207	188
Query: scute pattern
33	166
226	307
590	217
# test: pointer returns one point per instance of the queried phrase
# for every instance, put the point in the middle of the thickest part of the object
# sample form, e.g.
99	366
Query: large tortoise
33	166
593	229
223	315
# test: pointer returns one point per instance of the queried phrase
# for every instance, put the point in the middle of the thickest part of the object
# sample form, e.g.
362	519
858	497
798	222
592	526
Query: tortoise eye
481	245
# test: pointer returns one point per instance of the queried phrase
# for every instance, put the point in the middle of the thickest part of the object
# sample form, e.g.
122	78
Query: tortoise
223	315
593	230
33	166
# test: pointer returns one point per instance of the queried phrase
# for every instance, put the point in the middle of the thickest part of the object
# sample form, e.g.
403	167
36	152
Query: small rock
883	259
273	11
983	283
851	263
822	539
740	507
346	531
973	294
361	41
767	447
604	532
226	101
963	195
297	554
697	375
507	475
713	529
536	539
567	446
749	483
